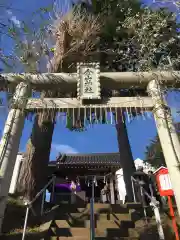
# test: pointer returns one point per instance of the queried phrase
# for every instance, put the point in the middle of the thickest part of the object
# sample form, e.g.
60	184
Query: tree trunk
126	160
33	175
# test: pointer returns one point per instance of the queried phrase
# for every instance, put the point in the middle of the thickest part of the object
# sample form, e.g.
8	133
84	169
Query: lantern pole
155	205
171	210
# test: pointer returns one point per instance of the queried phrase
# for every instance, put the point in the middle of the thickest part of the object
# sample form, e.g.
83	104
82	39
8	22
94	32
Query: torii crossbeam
111	80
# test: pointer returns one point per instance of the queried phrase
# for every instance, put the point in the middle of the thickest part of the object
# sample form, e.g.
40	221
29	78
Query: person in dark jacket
152	184
142	180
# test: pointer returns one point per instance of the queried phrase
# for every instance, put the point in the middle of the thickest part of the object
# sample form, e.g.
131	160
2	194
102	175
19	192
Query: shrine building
81	169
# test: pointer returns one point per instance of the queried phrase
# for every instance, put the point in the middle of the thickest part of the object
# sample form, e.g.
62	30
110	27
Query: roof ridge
91	154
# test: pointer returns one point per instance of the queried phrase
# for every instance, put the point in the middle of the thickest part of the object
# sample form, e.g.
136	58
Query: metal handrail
29	204
154	204
138	183
42	190
92	220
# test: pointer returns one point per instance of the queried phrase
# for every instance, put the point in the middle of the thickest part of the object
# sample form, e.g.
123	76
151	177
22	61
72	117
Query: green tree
135	39
154	154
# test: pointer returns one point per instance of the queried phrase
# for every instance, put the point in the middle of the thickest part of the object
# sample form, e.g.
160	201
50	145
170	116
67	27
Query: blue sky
99	138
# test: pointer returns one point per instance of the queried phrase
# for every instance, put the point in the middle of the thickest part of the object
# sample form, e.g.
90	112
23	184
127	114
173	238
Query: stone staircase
112	222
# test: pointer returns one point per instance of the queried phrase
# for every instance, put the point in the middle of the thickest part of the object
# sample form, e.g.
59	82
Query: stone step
113	216
81	207
98	216
68	238
11	237
101	224
97	238
29	236
71	232
99	232
112	224
87	212
132	205
98	207
69	223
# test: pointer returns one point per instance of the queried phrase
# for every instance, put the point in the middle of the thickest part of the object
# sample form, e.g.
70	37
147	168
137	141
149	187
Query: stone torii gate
87	81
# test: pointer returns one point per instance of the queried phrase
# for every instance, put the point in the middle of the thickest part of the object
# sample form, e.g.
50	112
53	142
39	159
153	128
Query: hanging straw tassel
142	112
69	123
85	117
98	114
63	116
106	116
122	116
95	115
90	115
73	117
93	119
79	118
31	116
67	114
111	116
79	113
59	115
149	114
116	117
101	115
130	114
127	114
136	111
145	113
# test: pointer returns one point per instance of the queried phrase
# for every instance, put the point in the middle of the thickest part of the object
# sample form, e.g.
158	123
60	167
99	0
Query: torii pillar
9	144
168	136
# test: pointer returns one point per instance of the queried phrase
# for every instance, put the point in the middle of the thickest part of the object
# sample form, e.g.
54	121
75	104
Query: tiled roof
108	159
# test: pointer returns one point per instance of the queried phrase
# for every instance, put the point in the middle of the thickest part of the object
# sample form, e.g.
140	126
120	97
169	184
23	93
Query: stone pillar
15	175
9	144
167	135
112	190
126	158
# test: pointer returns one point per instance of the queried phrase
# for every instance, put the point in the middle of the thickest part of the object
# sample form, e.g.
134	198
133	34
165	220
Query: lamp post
92	180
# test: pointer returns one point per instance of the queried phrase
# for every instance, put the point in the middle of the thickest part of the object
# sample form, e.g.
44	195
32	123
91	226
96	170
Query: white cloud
14	19
61	148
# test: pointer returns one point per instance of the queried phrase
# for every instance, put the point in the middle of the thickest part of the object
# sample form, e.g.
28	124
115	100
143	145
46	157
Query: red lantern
163	182
165	189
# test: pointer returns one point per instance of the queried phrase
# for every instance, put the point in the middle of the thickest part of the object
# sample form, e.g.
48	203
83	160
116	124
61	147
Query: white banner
165	182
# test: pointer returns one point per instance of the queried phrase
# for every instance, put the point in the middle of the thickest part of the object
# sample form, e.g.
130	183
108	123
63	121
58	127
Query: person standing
142	184
106	193
161	200
121	187
73	191
152	184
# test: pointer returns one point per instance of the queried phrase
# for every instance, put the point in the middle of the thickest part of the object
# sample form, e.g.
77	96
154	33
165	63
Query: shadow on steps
29	236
